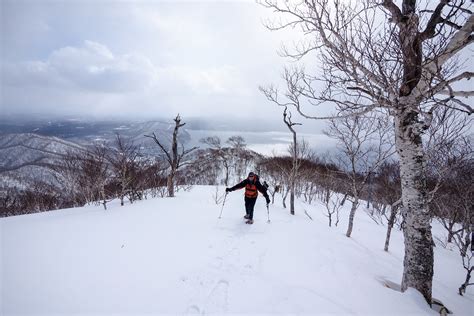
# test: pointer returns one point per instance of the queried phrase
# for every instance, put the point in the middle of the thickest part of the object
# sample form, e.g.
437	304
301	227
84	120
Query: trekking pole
223	203
268	213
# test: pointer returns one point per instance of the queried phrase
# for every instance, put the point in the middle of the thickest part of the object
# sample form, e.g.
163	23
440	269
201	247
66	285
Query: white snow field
174	256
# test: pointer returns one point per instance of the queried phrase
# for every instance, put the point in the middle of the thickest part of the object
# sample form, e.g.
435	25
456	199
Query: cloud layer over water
145	59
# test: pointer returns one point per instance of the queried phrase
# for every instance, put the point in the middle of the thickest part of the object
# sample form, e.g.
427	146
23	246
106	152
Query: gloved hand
268	200
228	189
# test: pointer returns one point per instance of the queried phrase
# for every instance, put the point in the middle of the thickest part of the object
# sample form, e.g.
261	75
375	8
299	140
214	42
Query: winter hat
251	174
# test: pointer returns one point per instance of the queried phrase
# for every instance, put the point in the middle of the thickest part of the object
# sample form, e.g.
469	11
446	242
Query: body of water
267	143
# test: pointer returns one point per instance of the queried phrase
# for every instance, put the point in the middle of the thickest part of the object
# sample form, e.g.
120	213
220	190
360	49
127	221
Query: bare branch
435	19
165	151
460	39
464	94
446	84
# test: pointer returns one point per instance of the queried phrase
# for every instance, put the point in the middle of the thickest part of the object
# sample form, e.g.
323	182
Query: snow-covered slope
20	149
175	256
24	158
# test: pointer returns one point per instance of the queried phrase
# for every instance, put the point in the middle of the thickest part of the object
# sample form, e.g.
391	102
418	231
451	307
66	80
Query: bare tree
272	168
237	142
332	203
387	192
366	143
209	164
67	175
394	208
239	150
285	171
375	54
467	261
94	174
278	170
448	145
175	158
462	202
452	170
156	177
294	158
123	159
219	153
204	170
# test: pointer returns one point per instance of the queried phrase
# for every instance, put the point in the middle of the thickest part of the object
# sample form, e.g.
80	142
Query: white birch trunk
355	203
418	262
292	198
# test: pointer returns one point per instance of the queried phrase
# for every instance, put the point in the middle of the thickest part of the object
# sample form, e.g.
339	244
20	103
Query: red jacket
251	188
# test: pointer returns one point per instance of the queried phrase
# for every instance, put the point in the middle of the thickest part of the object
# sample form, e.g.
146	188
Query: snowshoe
250	221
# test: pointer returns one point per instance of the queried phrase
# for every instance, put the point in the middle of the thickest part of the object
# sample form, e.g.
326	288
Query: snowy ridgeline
174	256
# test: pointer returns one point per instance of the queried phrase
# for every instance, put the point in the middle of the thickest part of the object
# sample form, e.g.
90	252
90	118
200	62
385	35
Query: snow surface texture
174	256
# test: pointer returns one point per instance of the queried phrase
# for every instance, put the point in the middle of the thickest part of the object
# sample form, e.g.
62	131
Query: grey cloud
93	67
154	58
89	67
29	74
91	76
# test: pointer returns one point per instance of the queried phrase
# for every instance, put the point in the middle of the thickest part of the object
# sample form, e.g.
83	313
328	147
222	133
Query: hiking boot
250	221
246	216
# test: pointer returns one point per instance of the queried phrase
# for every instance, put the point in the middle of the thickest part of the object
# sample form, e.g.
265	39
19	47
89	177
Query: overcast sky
139	59
142	58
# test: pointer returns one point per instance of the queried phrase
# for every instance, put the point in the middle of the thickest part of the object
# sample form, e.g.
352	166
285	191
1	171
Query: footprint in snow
217	263
193	309
217	300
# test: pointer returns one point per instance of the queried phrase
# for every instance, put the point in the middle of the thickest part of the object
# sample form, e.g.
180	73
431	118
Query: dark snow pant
249	205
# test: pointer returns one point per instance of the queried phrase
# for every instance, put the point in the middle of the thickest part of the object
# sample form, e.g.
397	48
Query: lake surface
266	143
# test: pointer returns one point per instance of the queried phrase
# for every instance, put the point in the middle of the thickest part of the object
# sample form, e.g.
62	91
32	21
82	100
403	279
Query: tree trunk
102	195
226	181
462	288
328	195
294	173
174	158
284	198
294	154
170	184
418	261
391	222
292	199
344	199
351	216
450	230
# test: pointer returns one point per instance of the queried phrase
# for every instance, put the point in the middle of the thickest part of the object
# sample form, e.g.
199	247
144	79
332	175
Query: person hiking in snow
252	185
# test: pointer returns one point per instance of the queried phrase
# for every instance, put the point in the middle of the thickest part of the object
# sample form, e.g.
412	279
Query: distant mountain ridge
17	150
27	154
86	132
27	157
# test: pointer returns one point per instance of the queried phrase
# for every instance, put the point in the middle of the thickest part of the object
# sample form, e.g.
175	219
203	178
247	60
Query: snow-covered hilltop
174	256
